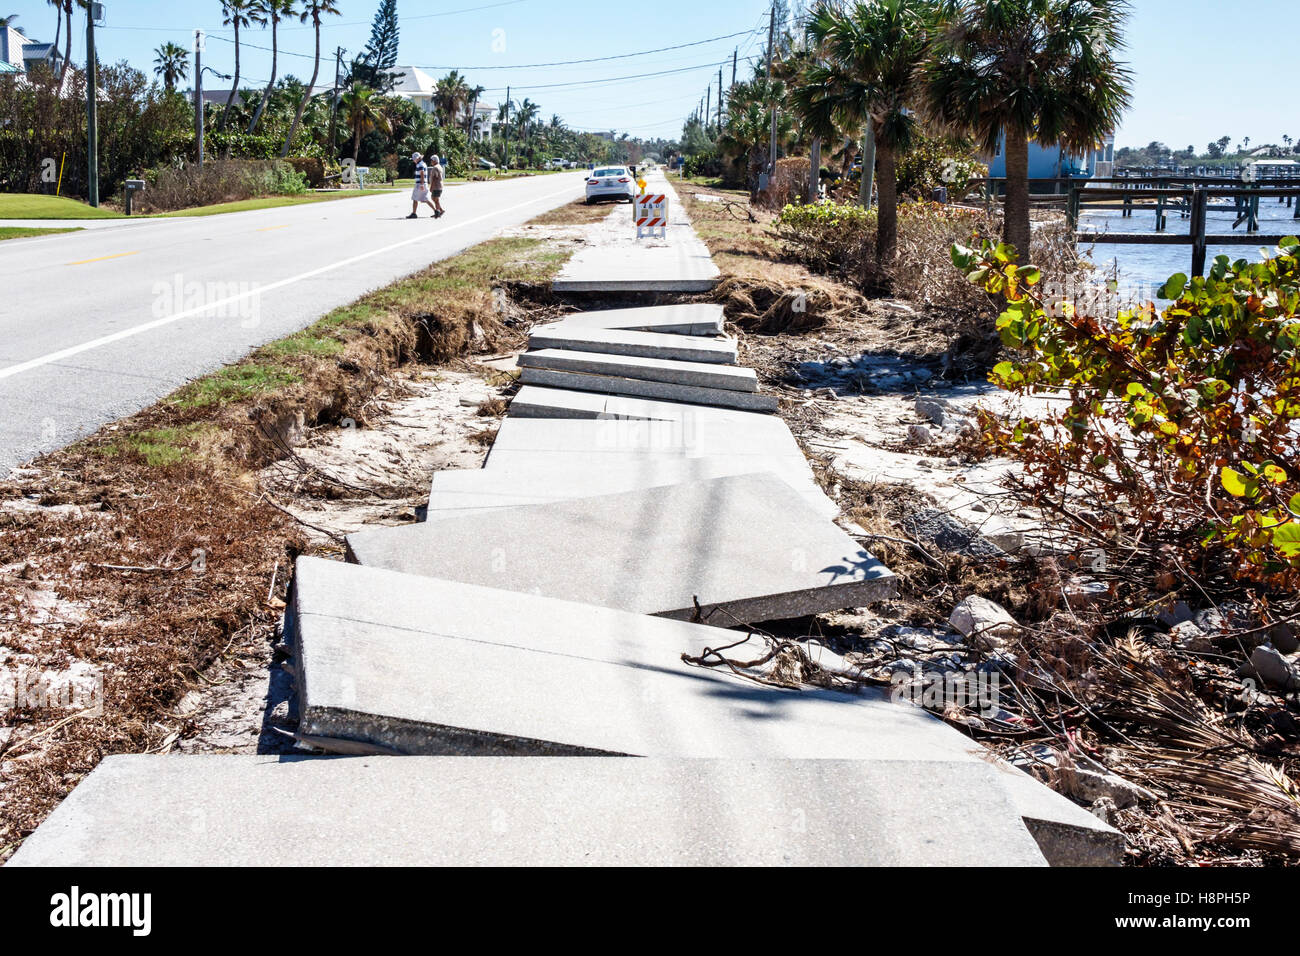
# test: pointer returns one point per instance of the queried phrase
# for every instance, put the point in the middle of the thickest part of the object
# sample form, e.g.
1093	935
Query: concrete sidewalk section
640	388
694	318
738	549
658	345
667	371
616	261
249	810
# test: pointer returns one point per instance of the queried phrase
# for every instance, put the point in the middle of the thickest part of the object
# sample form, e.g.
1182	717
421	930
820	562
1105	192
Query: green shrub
828	236
1181	425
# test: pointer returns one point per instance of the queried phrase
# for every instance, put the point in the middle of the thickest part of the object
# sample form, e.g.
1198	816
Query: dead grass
574	213
150	550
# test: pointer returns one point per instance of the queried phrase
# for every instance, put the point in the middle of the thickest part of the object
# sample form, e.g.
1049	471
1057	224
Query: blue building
1055	162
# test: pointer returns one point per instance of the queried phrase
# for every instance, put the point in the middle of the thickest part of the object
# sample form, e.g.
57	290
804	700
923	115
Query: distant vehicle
486	164
558	164
610	182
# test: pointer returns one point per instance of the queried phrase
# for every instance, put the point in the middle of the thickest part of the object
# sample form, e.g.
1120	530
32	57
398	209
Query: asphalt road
99	324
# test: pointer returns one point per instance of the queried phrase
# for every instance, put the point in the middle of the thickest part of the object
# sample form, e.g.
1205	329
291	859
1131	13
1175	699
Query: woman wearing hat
420	194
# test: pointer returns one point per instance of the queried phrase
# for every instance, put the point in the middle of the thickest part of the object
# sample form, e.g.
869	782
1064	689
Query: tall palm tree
172	63
236	14
362	113
9	20
473	93
312	10
67	6
744	136
872	54
528	112
450	97
272	12
1029	69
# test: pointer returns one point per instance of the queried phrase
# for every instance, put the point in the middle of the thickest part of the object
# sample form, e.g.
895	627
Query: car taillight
593	182
624	179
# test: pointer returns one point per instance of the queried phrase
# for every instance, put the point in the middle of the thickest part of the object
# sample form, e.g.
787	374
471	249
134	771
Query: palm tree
272	12
236	14
472	93
870	70
1029	69
172	63
312	10
9	20
745	133
528	111
450	97
67	37
362	113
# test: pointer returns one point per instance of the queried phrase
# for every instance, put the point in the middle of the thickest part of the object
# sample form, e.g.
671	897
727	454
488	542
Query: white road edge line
58	356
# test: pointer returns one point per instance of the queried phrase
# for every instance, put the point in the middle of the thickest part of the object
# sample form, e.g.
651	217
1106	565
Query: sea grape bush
1182	425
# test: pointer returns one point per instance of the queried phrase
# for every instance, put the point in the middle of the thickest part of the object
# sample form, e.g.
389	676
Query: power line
594	59
612	79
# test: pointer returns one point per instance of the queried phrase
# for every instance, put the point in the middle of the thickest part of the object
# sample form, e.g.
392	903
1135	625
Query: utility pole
334	110
198	92
708	106
719	99
734	52
507	127
771	44
92	107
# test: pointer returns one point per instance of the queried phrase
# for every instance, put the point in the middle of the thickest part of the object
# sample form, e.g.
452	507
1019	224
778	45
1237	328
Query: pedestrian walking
435	185
420	194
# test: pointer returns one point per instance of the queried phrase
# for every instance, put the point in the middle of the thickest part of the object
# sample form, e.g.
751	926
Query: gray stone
985	623
919	435
746	548
672	372
948	533
1081	593
932	409
1273	669
588	382
685	348
1090	786
1188	637
1283	638
1176	613
696	318
252	810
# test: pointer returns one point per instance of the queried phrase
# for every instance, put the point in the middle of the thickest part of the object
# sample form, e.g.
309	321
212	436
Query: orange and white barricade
650	210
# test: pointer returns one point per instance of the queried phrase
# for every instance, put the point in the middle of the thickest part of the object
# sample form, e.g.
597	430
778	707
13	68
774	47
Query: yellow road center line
119	255
269	228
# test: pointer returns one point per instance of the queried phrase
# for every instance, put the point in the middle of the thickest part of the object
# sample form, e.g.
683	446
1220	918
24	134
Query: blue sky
1190	85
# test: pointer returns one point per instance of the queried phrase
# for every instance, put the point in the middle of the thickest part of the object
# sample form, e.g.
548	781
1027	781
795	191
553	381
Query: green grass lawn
21	232
36	206
272	202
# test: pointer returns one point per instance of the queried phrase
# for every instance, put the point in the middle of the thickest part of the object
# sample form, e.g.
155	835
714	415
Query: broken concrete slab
658	345
538	401
600	811
382	659
667	371
695	318
758	438
737	549
588	382
460	492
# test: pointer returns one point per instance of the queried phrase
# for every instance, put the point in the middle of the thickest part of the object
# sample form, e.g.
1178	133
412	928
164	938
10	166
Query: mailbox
133	186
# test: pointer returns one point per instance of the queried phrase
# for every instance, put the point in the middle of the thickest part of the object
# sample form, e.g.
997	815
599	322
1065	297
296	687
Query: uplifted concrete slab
684	348
460	492
538	401
584	381
386	661
694	318
738	549
758	438
668	371
614	260
251	810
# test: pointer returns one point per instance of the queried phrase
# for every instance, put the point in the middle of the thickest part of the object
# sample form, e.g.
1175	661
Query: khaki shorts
420	194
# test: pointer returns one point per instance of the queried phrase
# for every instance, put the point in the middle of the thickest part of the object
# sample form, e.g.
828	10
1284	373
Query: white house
20	54
416	85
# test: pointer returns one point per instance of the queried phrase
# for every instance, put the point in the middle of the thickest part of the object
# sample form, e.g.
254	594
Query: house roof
412	81
7	67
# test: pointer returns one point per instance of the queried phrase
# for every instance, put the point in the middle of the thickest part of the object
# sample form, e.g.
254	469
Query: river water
1152	265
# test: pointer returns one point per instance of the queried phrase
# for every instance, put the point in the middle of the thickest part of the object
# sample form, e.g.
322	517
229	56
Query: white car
610	182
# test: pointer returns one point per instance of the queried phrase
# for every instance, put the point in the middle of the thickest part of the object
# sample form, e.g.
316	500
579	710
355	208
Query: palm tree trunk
1015	226
297	117
887	214
868	164
814	168
234	86
67	45
266	93
356	144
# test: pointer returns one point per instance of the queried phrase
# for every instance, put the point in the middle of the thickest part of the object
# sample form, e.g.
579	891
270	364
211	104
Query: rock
1091	786
894	305
474	399
1283	638
1178	613
1189	637
1210	620
932	409
949	533
921	374
1273	669
1104	810
919	435
1080	593
985	623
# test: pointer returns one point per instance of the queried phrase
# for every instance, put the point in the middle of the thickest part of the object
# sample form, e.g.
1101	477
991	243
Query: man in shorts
435	185
420	194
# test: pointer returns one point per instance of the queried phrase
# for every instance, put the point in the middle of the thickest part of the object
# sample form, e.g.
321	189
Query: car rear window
614	171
